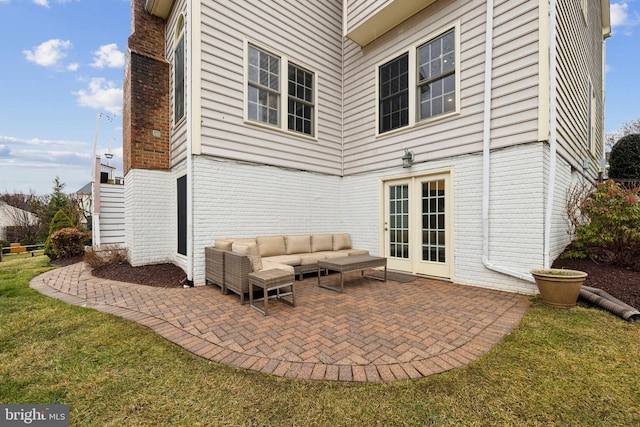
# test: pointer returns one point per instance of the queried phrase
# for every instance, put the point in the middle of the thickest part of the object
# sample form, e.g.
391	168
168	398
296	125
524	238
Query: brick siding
146	94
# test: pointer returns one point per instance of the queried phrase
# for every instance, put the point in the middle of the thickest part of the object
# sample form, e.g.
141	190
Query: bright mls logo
34	415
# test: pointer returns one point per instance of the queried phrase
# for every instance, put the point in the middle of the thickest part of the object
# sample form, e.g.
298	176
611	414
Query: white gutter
553	132
486	152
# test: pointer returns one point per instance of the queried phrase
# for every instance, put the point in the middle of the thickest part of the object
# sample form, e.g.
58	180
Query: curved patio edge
66	284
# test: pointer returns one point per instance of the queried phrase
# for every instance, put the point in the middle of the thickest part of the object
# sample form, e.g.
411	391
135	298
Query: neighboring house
83	199
260	118
106	207
17	219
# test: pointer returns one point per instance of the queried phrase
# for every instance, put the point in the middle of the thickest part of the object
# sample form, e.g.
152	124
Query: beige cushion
223	244
283	259
321	242
271	245
298	244
312	258
250	250
268	265
341	241
354	251
334	254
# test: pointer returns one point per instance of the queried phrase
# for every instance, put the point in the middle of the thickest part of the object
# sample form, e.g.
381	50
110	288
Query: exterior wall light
407	159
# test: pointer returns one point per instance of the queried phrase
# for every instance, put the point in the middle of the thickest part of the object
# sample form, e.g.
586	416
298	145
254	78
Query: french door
417	225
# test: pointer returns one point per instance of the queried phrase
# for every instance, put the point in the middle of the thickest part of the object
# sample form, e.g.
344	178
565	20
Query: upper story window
301	99
437	76
592	130
394	94
584	4
178	72
265	97
419	84
264	87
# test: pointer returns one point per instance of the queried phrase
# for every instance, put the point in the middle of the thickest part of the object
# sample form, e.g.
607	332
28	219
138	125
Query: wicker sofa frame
230	270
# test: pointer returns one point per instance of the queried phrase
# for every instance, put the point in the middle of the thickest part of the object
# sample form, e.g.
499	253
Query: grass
559	367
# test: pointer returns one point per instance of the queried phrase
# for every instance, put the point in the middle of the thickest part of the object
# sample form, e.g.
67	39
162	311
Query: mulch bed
619	282
158	275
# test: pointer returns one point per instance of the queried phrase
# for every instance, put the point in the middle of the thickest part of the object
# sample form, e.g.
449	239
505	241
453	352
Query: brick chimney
146	94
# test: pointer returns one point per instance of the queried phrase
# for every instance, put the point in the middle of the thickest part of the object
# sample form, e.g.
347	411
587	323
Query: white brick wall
245	200
516	221
150	216
234	199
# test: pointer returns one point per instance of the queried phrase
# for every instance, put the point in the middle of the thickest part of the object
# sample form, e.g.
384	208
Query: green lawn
559	367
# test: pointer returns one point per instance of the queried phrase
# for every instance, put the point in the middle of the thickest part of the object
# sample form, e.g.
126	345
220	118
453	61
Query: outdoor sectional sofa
230	260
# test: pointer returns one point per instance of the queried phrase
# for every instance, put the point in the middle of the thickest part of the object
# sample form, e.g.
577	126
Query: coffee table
349	264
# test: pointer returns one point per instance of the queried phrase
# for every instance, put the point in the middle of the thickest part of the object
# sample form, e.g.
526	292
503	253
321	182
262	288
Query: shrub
4	243
60	220
612	233
624	160
106	256
68	242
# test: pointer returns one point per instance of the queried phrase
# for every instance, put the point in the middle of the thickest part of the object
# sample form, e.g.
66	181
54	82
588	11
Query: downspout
553	132
344	31
189	49
486	152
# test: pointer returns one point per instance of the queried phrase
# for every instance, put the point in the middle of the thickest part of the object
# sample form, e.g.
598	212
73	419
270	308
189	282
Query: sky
62	67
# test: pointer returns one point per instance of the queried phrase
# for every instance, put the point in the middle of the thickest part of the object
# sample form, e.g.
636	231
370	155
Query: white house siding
514	107
112	214
515	90
178	140
359	11
579	57
307	33
233	199
150	212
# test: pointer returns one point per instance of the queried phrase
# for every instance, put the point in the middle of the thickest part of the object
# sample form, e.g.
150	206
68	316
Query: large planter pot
559	287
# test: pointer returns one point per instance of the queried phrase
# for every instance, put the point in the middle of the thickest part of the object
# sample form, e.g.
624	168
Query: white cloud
619	15
108	56
43	153
49	53
624	18
37	142
73	66
101	95
43	3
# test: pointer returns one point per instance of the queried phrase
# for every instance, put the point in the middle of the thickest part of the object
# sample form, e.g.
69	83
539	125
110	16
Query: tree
628	128
60	220
58	200
624	160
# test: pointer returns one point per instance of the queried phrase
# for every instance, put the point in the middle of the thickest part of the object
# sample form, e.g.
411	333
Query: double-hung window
394	93
300	105
264	87
437	76
268	76
178	73
419	84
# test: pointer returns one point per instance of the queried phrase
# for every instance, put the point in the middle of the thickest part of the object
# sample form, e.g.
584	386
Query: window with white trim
394	93
178	72
419	84
437	76
265	100
263	90
592	126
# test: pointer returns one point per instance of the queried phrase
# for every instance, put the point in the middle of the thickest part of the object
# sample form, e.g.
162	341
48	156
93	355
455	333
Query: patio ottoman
269	280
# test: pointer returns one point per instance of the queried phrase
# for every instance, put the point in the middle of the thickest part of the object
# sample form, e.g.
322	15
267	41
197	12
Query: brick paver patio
375	331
